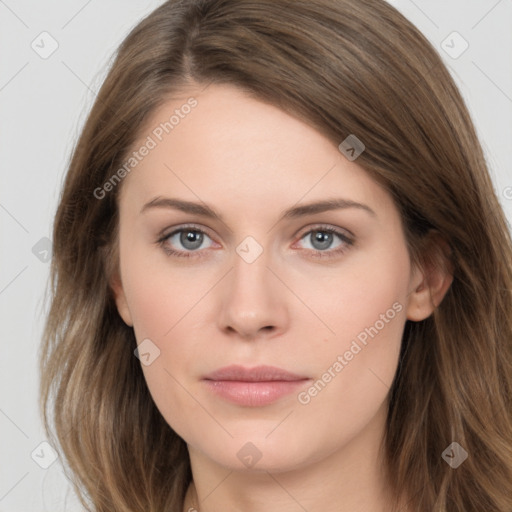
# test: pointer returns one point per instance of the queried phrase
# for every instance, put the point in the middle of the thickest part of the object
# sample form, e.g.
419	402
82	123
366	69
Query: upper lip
255	374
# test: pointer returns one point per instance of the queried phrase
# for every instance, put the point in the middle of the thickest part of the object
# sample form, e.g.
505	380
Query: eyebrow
292	213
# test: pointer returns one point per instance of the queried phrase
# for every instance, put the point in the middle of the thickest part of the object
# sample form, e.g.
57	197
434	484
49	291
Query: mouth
253	387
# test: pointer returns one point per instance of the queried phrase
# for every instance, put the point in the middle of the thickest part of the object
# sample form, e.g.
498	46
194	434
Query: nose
254	302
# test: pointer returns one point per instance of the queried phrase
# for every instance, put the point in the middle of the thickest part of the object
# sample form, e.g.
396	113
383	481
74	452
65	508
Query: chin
258	453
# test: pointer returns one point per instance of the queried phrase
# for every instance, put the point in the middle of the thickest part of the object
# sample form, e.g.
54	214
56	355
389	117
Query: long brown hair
345	67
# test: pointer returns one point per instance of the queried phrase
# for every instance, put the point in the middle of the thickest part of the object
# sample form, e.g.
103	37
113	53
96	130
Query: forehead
220	144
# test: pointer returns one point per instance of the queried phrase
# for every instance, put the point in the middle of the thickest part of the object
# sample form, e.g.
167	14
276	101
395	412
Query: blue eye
321	240
192	238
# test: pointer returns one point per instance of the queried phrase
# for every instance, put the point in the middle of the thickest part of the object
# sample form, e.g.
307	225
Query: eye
190	239
187	240
322	241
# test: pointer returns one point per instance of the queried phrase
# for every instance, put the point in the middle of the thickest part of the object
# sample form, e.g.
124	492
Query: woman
281	276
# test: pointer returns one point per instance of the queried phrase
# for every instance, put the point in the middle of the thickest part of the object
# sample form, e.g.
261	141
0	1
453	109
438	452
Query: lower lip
253	394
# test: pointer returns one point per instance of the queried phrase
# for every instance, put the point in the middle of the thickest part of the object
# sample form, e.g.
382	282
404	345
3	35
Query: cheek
160	293
162	302
367	293
354	374
365	307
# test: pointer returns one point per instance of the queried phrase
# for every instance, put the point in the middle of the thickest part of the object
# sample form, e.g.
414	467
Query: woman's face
263	282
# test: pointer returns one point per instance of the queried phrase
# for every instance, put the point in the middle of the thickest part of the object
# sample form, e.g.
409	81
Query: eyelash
347	242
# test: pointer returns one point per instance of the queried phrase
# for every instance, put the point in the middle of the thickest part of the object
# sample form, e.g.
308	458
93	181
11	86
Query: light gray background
43	103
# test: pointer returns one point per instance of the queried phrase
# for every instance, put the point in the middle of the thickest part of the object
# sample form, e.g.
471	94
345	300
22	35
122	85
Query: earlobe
431	281
120	299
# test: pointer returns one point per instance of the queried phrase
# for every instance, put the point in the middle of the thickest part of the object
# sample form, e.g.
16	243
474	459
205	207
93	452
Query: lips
256	374
253	387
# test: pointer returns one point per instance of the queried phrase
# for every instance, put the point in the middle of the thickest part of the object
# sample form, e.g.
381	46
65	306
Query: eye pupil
323	238
191	237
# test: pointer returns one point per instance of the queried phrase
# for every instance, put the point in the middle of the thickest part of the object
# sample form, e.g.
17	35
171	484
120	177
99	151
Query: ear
431	279
122	306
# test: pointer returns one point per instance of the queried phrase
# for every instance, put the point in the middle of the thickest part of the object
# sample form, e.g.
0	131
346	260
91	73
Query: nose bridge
250	276
252	300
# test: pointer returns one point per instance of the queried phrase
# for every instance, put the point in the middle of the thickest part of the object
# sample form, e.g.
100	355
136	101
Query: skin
251	161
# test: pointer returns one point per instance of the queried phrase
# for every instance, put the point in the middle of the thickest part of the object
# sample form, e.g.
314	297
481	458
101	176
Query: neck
353	478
